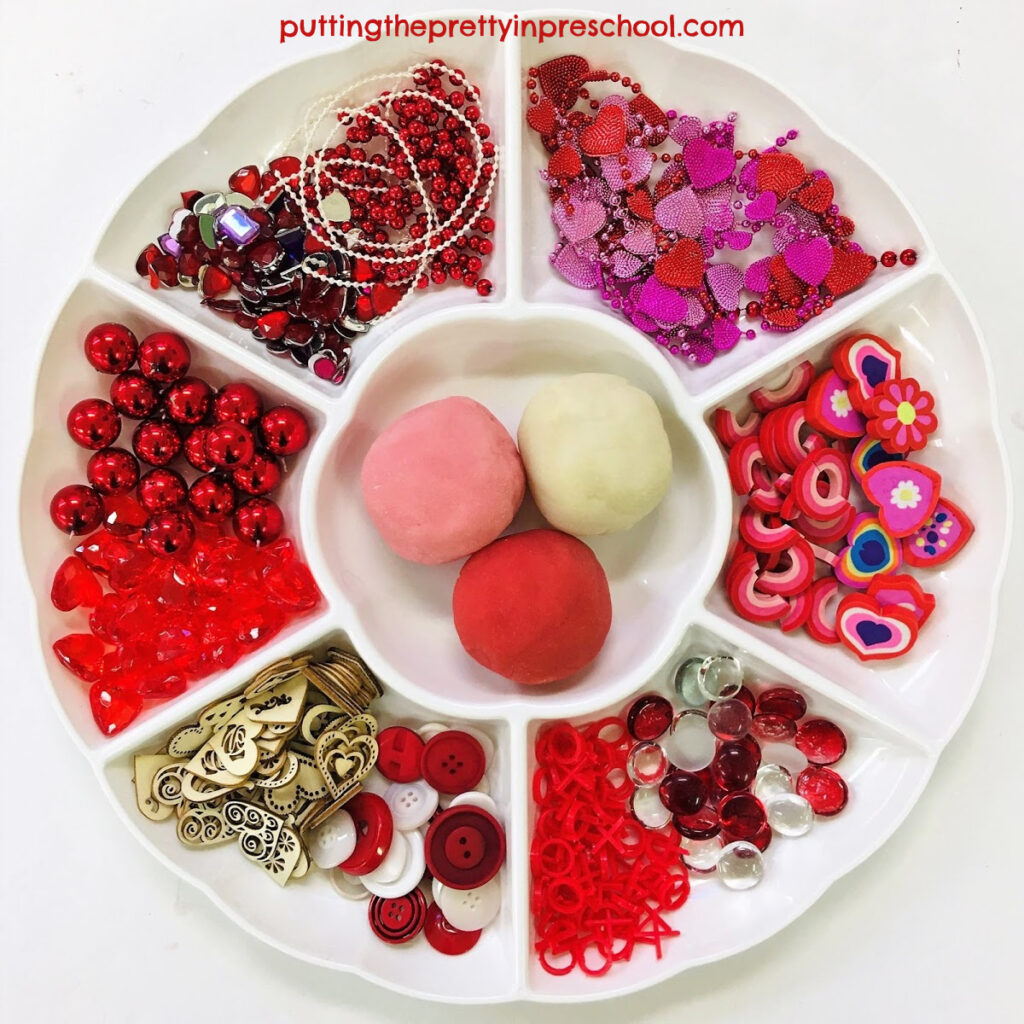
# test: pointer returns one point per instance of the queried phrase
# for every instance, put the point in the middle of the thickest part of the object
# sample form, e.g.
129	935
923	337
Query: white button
393	864
375	783
435	888
410	877
448	799
485	741
474	798
430	730
347	885
333	841
470	909
411	803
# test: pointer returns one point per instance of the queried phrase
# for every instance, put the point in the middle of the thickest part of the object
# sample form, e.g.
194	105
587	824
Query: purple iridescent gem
234	222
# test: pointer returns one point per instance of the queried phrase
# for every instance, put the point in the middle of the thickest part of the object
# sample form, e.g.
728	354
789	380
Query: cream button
475	798
470	909
348	886
411	803
333	841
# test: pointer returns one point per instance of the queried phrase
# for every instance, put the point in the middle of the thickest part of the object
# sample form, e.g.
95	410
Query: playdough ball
533	607
596	453
442	481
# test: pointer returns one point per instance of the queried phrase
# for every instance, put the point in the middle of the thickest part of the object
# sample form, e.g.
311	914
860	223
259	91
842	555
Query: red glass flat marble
822	742
649	717
823	789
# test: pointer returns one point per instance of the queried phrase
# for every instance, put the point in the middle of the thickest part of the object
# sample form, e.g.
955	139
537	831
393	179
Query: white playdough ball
596	453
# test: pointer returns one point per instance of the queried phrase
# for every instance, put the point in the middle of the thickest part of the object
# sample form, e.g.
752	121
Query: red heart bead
82	654
215	282
74	585
541	117
565	163
607	135
779	172
682	266
640	204
559	79
384	298
293	586
113	708
849	270
817	196
788	285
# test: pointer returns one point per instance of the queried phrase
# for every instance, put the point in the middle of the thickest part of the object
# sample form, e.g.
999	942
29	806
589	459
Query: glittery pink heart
718	211
724	281
737	239
686	128
638	163
696	314
809	260
707	165
644	323
578	264
585	221
748	176
756	278
660	302
725	336
625	264
640	240
763	207
681	212
785	231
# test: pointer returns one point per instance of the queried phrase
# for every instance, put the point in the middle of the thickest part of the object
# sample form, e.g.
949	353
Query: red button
453	762
444	937
398	919
400	750
465	847
375	830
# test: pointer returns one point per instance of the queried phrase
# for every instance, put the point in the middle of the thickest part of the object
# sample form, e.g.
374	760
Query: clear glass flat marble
789	814
740	866
690	744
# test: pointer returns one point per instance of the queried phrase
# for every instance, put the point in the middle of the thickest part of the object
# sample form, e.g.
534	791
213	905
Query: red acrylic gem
823	789
703	824
82	654
293	586
215	282
820	741
246	180
74	586
124	516
113	708
103	551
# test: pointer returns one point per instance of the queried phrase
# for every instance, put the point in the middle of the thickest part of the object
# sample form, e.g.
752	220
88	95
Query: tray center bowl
501	360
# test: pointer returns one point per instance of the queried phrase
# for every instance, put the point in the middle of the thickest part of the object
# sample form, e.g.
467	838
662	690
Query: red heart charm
559	79
607	135
785	317
565	163
849	270
780	172
383	298
816	196
682	266
541	117
788	285
640	204
643	106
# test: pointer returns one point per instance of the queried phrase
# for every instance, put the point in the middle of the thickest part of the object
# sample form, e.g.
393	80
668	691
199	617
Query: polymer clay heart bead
872	551
906	494
947	530
873	632
864	361
904	591
828	407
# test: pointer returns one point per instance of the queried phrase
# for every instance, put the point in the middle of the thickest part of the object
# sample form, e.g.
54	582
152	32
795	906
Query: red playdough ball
442	481
533	607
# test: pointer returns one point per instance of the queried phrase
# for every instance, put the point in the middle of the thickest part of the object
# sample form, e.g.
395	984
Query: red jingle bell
211	498
258	521
230	445
188	400
76	509
164	357
168	533
161	489
111	348
261	476
284	430
113	471
239	402
93	423
156	442
133	395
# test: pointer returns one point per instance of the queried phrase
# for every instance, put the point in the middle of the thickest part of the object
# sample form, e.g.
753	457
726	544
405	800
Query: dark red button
375	830
398	919
444	937
465	847
400	751
453	762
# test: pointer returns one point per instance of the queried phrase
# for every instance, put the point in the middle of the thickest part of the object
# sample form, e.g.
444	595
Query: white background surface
93	929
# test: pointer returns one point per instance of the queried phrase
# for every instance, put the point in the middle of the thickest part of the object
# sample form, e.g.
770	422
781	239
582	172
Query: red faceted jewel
113	708
74	586
293	586
82	654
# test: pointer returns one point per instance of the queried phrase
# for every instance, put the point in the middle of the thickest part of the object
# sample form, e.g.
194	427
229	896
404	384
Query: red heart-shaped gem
215	282
640	204
271	326
246	180
816	196
113	708
849	270
682	266
559	79
607	135
541	117
74	585
565	163
780	172
383	298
